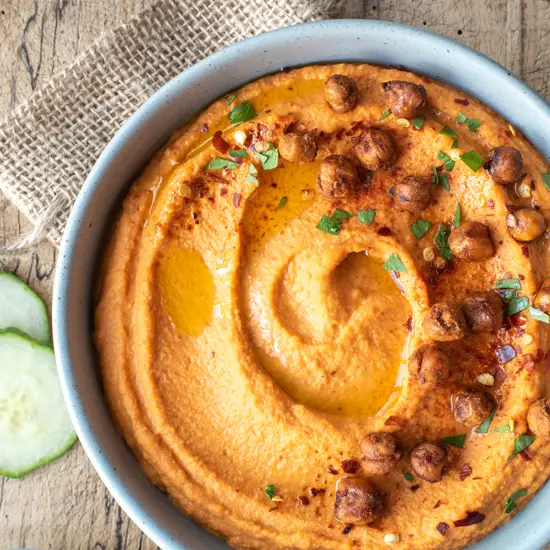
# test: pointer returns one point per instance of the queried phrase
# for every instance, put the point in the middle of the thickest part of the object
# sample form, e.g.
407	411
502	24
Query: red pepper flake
304	501
332	471
223	191
216	177
330	526
314	492
394	420
525	251
219	143
472	518
414	488
517	320
350	466
465	471
340	133
237	200
462	101
437	505
384	231
442	528
491	203
526	455
409	325
505	354
347	529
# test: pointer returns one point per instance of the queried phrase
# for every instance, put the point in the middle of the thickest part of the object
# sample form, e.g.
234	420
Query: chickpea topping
524	190
391	538
358	501
538	418
262	146
375	149
429	254
404	98
505	165
542	298
298	148
413	193
483	311
486	379
430	461
529	225
403	122
470	241
429	366
341	93
338	177
444	322
381	452
472	407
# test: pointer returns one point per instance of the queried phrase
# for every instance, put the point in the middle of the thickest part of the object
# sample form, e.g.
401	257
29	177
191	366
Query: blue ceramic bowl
328	41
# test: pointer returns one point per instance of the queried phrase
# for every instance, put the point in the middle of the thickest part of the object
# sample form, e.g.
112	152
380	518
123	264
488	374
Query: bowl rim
146	113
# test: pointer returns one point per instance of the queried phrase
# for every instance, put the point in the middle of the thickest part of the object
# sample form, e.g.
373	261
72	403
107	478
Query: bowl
327	41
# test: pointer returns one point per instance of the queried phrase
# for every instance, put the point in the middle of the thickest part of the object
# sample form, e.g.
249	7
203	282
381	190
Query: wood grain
65	506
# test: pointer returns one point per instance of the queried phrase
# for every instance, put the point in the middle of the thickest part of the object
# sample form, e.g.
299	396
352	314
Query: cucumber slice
35	427
21	308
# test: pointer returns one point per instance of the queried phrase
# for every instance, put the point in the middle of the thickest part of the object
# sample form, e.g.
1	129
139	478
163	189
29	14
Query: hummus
318	322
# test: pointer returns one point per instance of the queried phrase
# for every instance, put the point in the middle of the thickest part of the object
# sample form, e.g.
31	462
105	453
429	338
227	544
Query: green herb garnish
219	164
444	180
508	294
457	441
546	179
446	131
251	174
539	315
241	113
472	123
270	491
442	242
521	443
269	158
231	98
472	160
407	475
515	305
420	227
418	122
456	219
514	284
238	153
333	224
367	177
385	114
282	202
435	176
511	504
448	162
486	424
394	263
366	216
503	429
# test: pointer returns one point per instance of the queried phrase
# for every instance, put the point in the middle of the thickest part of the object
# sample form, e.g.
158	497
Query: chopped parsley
333	224
472	123
515	305
420	227
503	429
508	294
444	180
418	122
367	177
539	315
514	284
521	443
219	164
446	131
251	174
456	219
282	202
407	475
448	162
442	242
511	504
241	113
457	441
270	491
486	424
435	176
269	158
366	216
472	160
385	114
546	179
394	263
231	98
238	153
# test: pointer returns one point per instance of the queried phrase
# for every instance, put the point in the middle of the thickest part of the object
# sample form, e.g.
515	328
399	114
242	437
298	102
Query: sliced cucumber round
35	427
21	308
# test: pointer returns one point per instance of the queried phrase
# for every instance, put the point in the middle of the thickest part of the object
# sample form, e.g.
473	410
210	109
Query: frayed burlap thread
49	144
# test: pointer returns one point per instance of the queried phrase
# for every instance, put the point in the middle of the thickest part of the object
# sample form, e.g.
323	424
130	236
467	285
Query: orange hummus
252	331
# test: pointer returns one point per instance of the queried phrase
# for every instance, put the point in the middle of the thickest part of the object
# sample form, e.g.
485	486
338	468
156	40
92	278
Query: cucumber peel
22	309
35	428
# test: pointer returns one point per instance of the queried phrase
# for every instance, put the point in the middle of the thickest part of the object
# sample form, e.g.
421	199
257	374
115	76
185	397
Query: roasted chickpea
375	149
470	241
505	165
338	177
381	452
538	418
404	98
298	148
429	461
430	366
472	407
413	193
542	299
341	93
483	312
358	501
444	322
528	225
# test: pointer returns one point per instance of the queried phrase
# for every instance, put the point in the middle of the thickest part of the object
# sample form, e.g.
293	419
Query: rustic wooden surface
65	506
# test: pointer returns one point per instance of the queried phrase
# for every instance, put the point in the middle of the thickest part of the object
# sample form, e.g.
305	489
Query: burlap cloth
49	144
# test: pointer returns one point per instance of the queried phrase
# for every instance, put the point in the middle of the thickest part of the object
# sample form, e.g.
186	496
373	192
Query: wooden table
65	506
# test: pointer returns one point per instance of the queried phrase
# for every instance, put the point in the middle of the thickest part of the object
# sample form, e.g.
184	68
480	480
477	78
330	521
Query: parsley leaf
508	294
407	475
472	123
231	98
539	315
435	176
472	160
269	158
446	131
457	441
515	305
366	216
333	224
546	179
520	444
270	491
442	242
282	202
418	122
514	284
420	227
448	162
503	429
241	113
238	153
385	114
394	263
219	164
486	424
456	219
444	180
251	174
